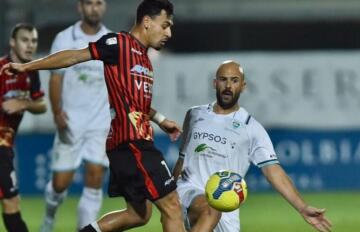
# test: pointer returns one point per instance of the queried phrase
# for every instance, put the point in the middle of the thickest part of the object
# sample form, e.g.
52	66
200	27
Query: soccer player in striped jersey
18	93
232	142
138	171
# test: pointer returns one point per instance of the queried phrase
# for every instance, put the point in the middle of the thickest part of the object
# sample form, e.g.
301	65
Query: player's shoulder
199	108
67	33
245	118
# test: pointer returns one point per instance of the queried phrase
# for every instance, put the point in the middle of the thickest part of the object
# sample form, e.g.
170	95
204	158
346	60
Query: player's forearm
36	107
156	117
282	183
55	89
178	168
58	60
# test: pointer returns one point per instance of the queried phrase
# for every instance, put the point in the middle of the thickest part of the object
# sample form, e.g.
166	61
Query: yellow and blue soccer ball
225	190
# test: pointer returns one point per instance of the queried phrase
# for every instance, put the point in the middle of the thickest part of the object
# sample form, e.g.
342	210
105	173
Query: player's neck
219	110
14	58
139	34
90	29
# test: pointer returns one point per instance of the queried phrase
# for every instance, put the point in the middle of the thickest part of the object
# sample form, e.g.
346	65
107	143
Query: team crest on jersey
111	41
236	124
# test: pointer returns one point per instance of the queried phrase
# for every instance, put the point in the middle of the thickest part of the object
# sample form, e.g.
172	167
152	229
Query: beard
92	21
226	104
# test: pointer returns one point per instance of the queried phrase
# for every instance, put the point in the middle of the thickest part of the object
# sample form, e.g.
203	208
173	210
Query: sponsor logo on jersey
136	51
111	41
210	137
203	147
138	69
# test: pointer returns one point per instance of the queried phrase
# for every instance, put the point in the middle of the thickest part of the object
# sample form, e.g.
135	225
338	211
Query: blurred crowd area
211	25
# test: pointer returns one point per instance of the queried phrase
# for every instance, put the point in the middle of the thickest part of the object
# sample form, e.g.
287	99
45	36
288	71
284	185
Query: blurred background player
19	93
138	171
233	139
79	103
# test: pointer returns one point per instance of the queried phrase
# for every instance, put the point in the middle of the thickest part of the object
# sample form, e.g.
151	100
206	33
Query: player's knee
171	206
59	188
140	219
94	175
11	205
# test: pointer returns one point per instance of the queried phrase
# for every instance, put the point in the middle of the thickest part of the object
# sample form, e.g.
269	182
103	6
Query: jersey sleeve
35	86
58	45
106	49
186	135
262	151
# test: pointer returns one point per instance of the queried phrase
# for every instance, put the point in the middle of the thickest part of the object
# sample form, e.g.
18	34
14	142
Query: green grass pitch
260	213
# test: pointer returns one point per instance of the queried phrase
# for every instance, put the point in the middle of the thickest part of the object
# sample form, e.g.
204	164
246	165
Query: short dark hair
19	26
153	8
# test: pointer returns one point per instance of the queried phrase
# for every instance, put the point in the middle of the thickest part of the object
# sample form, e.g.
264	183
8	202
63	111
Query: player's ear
146	22
12	42
243	87
79	7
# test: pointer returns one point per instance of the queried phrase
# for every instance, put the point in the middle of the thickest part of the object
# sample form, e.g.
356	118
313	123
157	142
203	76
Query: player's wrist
158	118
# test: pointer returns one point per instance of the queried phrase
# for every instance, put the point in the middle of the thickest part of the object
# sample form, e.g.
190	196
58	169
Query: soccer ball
225	190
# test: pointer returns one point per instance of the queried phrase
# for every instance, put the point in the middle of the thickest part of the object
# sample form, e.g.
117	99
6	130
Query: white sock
96	226
53	201
89	206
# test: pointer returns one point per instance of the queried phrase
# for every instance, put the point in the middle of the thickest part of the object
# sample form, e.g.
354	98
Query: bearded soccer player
235	140
19	93
138	171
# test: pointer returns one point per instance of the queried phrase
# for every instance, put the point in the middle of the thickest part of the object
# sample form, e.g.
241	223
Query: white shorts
229	222
90	147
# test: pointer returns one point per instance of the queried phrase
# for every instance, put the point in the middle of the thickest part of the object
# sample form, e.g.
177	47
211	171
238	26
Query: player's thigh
199	208
11	205
8	181
169	204
141	210
61	180
93	148
65	156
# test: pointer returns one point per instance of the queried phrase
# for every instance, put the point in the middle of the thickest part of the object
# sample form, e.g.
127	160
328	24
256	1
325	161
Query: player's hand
12	68
316	218
14	106
171	128
61	119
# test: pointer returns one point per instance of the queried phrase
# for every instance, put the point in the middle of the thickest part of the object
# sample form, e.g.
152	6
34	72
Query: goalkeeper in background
222	135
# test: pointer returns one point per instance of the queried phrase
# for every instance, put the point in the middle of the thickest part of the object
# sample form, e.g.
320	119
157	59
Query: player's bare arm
57	60
168	126
282	183
180	162
178	168
15	105
55	88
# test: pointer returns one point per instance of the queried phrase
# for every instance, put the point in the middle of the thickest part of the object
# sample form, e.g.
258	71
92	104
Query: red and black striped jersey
23	86
129	80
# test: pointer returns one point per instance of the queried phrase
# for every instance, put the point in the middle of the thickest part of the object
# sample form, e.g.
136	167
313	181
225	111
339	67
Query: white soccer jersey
84	93
216	142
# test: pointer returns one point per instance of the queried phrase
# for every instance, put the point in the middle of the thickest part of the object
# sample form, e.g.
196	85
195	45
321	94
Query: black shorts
138	171
8	185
